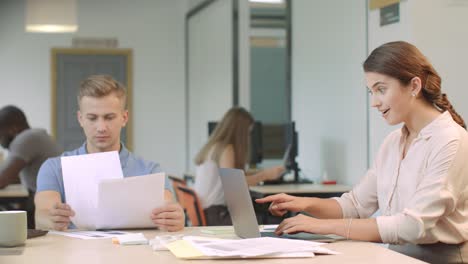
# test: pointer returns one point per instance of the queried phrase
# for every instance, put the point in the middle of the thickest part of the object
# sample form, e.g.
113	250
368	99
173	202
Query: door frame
85	51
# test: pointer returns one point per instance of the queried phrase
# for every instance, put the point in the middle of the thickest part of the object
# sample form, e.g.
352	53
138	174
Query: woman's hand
274	173
301	223
282	203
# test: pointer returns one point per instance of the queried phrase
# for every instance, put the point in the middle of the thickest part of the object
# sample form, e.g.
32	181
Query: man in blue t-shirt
102	114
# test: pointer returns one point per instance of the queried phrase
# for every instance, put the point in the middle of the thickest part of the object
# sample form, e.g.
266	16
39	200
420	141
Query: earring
413	94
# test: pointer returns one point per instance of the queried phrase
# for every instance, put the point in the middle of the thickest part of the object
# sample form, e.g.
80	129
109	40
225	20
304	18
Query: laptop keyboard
302	236
269	234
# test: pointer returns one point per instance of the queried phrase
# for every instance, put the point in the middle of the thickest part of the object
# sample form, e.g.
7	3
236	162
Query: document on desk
90	234
265	247
94	187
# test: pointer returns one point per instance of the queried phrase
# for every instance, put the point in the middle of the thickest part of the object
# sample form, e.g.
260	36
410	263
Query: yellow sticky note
183	249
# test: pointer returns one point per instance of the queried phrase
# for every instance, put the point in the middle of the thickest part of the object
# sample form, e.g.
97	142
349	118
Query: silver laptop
239	204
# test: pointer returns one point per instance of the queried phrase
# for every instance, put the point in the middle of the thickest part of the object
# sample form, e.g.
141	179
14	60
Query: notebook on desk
239	204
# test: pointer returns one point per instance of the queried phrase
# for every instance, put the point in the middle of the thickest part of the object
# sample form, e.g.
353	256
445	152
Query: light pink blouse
422	198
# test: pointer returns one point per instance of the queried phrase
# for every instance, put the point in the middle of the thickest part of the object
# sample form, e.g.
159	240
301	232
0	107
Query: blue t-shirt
50	176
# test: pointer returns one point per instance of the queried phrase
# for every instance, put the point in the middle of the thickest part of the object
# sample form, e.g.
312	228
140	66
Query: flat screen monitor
280	141
277	138
292	139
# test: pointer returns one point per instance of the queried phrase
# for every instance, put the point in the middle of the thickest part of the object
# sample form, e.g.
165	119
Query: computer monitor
291	137
256	142
280	141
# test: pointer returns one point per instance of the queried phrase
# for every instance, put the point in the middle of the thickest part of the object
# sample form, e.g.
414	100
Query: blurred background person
227	147
27	149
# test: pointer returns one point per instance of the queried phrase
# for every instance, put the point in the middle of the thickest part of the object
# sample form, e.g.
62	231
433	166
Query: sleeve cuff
388	229
347	207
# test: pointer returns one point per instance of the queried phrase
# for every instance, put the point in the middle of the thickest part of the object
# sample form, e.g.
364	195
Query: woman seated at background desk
419	179
227	147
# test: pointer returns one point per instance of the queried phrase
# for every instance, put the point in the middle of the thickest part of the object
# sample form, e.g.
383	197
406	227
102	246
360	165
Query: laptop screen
239	202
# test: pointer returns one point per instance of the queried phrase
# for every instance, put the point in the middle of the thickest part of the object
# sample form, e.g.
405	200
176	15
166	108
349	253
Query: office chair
192	206
176	181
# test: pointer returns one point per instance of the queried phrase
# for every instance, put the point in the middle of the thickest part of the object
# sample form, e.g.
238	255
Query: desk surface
294	188
14	191
52	249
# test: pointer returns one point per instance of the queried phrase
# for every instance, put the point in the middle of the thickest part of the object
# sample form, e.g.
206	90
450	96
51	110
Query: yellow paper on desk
183	249
194	247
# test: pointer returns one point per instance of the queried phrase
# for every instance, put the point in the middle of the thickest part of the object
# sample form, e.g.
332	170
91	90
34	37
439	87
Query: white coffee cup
13	228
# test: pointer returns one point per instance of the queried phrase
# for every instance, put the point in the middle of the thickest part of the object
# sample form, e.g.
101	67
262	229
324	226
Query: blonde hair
234	129
102	85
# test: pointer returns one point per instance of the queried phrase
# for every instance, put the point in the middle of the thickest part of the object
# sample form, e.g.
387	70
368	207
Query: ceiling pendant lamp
51	16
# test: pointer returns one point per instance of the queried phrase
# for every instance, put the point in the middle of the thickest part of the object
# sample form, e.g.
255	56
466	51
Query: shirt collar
123	153
429	129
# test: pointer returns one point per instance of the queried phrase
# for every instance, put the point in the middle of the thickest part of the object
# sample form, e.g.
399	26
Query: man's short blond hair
100	86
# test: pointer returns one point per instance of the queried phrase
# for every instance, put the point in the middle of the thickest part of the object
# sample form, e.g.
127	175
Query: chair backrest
192	206
176	182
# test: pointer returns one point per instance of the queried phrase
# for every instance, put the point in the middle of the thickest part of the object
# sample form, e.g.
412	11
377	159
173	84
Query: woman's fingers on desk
296	224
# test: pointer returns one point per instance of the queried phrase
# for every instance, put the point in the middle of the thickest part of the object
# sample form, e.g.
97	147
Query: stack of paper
103	199
191	247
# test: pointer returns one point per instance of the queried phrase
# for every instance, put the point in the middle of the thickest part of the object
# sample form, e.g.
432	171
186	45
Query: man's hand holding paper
60	216
103	199
169	217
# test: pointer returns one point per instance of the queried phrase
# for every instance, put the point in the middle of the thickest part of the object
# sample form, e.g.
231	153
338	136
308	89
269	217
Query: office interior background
338	131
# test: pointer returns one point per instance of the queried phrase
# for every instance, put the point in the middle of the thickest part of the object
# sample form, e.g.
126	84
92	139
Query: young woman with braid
419	178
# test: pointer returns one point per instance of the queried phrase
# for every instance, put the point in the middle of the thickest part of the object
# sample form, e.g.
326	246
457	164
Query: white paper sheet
81	177
81	234
256	247
128	202
103	199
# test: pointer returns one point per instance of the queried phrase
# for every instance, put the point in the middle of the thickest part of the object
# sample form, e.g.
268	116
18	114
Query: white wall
210	71
244	53
441	32
155	32
328	91
210	67
377	36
